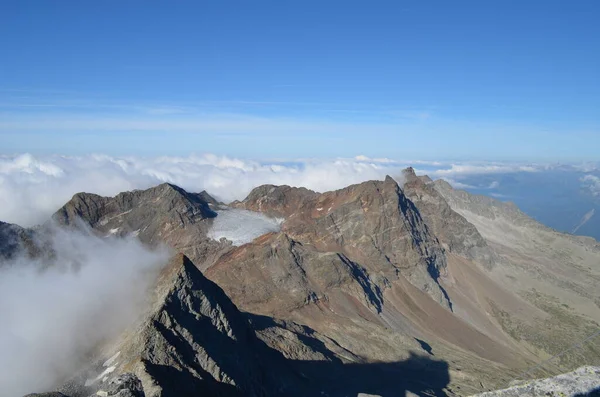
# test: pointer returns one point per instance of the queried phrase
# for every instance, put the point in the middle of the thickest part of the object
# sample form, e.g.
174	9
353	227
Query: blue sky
469	80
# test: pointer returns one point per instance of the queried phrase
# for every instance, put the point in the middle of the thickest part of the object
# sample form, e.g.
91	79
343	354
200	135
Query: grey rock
125	385
584	381
455	233
16	240
372	224
162	214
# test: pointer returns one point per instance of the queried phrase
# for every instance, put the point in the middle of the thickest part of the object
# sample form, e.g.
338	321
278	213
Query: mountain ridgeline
375	288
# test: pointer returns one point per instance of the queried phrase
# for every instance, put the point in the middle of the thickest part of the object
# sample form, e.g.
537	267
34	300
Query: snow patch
106	372
109	362
113	231
242	226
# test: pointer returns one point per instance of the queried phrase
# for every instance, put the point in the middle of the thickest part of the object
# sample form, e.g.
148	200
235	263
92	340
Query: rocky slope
555	273
421	288
372	223
194	341
162	214
455	233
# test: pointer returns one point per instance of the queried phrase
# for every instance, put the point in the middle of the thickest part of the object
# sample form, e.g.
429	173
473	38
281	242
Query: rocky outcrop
12	238
276	275
15	241
277	201
162	214
455	233
372	224
194	339
582	382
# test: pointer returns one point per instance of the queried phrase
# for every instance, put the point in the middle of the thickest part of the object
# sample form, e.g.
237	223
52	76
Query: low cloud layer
32	188
52	316
241	226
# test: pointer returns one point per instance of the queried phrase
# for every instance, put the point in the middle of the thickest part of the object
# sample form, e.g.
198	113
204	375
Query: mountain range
381	288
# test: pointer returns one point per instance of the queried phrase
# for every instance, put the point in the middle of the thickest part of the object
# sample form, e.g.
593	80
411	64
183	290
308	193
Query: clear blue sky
415	79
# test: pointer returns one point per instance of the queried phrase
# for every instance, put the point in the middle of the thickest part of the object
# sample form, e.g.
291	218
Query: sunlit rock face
582	382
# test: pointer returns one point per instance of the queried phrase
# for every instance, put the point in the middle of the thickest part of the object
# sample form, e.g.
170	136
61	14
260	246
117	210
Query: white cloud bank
241	226
32	188
50	318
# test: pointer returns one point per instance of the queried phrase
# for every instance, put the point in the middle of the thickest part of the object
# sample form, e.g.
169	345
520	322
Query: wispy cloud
476	169
51	319
591	183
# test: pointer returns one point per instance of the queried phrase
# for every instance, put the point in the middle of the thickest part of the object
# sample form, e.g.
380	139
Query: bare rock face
15	240
277	201
194	339
582	382
124	385
276	275
162	214
372	224
455	233
12	238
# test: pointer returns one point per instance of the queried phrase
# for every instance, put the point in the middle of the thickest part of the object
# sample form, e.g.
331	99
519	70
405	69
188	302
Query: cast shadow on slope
420	375
275	375
271	374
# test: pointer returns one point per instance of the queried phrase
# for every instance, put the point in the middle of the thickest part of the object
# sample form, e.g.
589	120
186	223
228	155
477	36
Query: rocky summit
165	214
374	289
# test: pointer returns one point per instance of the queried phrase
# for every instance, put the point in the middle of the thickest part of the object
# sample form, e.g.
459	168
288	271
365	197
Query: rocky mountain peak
162	214
409	173
164	199
192	339
455	233
372	224
276	201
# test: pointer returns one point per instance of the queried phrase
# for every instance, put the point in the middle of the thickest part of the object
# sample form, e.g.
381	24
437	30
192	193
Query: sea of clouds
33	187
